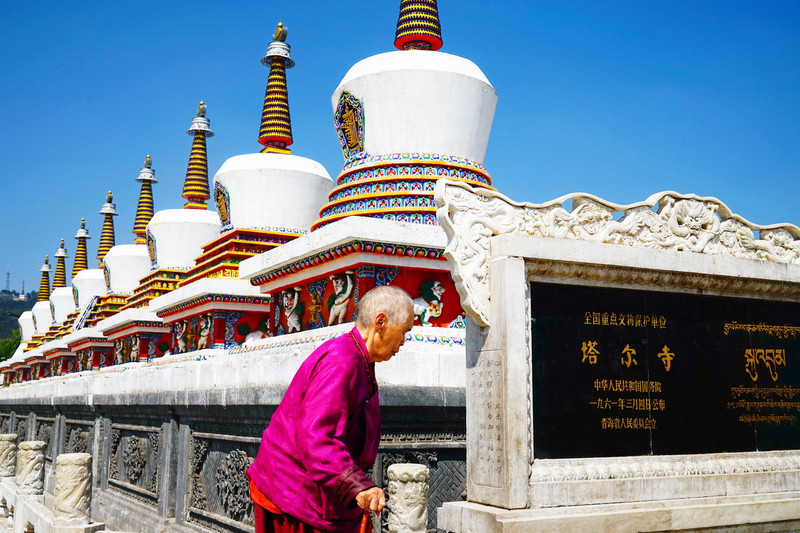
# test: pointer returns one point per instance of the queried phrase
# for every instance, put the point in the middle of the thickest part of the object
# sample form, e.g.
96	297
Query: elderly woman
310	472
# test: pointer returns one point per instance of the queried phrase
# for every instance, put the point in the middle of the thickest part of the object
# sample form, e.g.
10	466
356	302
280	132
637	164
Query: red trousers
267	522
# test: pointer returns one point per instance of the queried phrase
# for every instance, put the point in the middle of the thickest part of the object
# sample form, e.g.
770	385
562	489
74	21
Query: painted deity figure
133	354
181	335
204	332
429	304
342	292
293	309
118	355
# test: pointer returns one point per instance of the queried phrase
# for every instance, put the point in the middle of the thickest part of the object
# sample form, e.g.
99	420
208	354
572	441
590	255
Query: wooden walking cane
364	522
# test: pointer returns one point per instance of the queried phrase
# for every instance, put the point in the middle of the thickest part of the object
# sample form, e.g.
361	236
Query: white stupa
86	283
62	298
125	264
272	189
175	237
405	119
42	312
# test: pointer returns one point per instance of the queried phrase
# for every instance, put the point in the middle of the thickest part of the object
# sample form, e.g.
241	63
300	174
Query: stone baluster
408	498
30	467
8	455
8	465
73	492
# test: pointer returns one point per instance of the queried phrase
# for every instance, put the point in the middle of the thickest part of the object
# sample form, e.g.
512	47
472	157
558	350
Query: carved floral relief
665	221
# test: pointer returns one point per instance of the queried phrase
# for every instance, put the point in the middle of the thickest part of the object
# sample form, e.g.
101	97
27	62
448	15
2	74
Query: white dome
26	325
422	101
272	191
42	316
126	265
63	303
88	284
179	235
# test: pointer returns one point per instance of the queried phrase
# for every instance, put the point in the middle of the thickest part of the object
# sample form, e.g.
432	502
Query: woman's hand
371	499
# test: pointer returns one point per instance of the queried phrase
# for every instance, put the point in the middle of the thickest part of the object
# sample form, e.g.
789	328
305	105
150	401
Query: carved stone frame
497	247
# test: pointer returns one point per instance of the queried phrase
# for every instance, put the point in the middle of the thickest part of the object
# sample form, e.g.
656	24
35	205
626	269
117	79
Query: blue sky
620	99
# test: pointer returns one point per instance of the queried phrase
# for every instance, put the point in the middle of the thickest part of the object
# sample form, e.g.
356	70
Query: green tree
9	345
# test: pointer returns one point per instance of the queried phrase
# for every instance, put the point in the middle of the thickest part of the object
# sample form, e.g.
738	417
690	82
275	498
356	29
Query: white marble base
743	514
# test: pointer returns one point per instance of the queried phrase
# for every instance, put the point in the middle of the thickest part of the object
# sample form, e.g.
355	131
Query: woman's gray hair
394	302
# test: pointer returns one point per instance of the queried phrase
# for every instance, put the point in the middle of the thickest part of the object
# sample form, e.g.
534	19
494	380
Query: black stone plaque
628	372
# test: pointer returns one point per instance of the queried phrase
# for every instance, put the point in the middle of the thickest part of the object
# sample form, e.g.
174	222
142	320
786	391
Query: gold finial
47	260
147	161
109	198
280	33
83	223
62	244
201	109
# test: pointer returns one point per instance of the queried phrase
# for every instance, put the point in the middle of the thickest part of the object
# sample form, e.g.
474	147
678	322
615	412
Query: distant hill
10	309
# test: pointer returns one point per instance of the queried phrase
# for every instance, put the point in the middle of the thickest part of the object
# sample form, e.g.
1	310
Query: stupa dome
26	326
87	284
270	190
125	265
421	101
42	316
405	119
175	237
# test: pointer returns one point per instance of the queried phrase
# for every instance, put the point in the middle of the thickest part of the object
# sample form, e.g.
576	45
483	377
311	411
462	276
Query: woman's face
389	339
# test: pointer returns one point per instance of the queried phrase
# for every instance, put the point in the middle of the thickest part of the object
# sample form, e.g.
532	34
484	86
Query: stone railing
22	498
408	498
25	507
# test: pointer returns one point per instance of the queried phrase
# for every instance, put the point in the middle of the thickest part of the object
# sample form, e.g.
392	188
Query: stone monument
629	367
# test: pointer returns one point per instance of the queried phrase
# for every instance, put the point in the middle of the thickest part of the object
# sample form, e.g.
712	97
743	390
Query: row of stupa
287	249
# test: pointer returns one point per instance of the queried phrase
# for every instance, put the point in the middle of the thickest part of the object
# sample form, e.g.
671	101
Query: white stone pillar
73	492
8	454
30	467
408	498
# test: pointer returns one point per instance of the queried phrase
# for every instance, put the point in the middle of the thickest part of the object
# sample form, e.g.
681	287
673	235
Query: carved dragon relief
664	221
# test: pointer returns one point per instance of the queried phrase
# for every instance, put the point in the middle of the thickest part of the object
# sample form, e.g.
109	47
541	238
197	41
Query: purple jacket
323	438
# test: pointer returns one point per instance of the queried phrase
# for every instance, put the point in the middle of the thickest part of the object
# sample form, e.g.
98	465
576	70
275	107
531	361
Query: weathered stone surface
408	495
73	492
8	454
30	467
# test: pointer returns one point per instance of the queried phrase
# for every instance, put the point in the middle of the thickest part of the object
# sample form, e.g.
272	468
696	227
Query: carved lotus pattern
665	221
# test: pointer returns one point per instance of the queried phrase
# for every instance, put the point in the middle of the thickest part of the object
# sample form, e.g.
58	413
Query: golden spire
109	211
60	279
195	186
418	26
144	209
44	285
276	124
81	262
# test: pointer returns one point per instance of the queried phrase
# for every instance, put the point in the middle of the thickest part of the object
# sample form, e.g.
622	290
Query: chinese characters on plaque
629	372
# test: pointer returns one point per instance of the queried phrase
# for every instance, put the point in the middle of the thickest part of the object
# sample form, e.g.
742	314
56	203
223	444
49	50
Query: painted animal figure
429	304
342	291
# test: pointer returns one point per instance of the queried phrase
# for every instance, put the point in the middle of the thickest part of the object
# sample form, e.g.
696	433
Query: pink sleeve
333	395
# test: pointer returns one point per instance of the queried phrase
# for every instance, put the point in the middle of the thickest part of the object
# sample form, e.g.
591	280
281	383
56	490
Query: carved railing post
73	492
408	498
30	467
8	455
